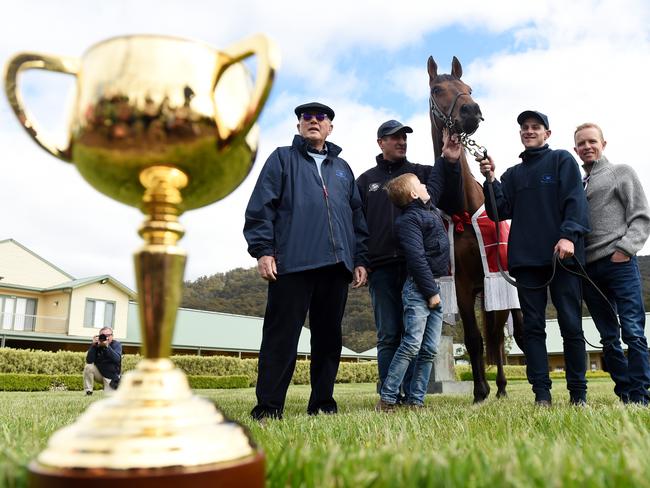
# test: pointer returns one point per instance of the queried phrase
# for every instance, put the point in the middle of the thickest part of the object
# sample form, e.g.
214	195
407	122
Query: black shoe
640	401
324	411
578	401
328	407
89	392
259	413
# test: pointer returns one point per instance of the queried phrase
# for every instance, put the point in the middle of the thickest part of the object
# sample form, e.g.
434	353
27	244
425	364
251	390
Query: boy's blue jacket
543	196
423	239
306	223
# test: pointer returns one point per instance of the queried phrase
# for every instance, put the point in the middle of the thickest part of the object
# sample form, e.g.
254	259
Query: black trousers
323	292
566	294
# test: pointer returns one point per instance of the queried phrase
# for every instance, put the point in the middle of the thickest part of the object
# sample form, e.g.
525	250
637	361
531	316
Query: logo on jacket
547	178
373	186
341	174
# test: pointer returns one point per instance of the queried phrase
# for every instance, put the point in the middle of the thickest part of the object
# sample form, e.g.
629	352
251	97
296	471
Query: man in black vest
387	272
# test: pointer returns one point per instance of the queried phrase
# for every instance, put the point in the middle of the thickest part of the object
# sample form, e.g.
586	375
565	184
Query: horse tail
494	335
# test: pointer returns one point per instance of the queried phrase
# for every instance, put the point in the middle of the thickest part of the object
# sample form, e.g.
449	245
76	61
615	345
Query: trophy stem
160	263
153	428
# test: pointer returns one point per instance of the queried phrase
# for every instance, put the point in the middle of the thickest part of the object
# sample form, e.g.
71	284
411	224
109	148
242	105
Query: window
99	313
17	313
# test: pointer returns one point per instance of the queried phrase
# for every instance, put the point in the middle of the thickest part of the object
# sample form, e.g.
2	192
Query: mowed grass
506	442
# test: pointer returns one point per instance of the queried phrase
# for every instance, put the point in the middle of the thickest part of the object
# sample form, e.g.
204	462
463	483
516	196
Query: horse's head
451	100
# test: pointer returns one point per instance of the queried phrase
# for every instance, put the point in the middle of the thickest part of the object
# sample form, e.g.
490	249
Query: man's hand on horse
564	248
486	166
267	268
360	277
451	147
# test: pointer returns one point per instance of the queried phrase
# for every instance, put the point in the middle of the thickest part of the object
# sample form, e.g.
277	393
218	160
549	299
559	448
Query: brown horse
452	106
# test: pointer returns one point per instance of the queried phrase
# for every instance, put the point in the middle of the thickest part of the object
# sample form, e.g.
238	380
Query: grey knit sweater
618	211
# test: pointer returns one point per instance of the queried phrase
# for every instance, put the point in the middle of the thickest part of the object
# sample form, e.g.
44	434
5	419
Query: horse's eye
435	90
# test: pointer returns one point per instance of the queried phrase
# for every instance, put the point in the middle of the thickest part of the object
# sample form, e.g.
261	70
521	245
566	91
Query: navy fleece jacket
543	196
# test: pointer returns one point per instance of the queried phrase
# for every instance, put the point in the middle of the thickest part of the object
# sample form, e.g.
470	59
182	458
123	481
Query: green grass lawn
450	443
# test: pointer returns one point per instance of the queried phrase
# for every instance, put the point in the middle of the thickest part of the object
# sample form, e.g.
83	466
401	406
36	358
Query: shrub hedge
464	373
39	382
26	361
215	382
45	382
62	363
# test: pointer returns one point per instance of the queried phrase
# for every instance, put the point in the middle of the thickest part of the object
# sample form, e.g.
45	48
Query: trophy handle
267	64
22	62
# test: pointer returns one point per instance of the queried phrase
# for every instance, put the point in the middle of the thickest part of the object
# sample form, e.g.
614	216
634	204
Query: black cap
314	107
534	114
391	127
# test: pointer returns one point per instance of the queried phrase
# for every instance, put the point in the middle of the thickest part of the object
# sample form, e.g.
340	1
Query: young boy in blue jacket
421	235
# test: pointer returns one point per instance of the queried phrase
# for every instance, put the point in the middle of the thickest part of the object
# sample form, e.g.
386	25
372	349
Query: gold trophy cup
165	125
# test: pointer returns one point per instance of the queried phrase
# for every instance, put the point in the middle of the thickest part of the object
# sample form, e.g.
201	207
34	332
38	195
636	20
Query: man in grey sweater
620	222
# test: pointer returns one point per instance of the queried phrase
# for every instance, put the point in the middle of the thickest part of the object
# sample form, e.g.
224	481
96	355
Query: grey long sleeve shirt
618	211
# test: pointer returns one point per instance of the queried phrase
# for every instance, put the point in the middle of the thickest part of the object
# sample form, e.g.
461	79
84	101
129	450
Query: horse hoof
478	400
502	394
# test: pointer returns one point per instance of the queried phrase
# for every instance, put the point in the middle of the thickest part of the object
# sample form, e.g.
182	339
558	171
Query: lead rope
480	153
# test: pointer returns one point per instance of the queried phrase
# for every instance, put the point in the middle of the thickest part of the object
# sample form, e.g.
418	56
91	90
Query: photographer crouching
103	362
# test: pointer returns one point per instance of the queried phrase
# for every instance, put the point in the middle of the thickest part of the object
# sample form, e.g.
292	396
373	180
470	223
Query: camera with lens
102	337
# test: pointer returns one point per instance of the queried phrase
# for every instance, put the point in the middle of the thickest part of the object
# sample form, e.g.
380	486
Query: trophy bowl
166	125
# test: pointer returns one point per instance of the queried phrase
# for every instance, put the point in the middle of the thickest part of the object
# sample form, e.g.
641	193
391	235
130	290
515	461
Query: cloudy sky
584	60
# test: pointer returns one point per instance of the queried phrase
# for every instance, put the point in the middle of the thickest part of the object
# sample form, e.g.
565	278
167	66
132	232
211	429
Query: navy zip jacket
444	184
301	220
422	236
543	196
107	359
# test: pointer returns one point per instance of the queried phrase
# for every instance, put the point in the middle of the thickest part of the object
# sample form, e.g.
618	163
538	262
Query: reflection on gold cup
165	125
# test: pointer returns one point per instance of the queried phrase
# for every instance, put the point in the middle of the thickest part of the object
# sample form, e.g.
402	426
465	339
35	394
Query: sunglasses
308	117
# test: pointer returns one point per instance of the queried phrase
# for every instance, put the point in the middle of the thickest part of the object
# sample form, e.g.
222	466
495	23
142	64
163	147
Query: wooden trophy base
248	472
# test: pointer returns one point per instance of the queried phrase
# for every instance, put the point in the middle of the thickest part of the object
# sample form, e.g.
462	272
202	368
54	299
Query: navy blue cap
314	108
391	127
534	114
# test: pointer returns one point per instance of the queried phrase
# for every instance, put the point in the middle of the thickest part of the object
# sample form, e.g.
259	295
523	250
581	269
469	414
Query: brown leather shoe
413	406
383	406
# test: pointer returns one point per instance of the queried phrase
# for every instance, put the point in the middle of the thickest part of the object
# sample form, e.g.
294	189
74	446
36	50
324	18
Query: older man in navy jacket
305	226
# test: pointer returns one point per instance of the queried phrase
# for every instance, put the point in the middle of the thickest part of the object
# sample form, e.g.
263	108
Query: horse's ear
432	67
456	68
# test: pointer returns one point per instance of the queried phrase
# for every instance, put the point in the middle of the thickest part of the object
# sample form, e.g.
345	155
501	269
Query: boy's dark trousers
322	291
566	295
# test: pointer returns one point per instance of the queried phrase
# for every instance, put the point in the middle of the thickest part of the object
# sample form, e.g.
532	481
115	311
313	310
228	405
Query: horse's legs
494	336
473	341
518	327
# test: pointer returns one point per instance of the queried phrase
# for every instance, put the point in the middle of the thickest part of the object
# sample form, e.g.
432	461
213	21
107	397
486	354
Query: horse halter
474	148
437	112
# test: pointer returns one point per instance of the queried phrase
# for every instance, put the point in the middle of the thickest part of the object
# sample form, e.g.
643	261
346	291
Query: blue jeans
567	297
422	329
621	284
385	284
